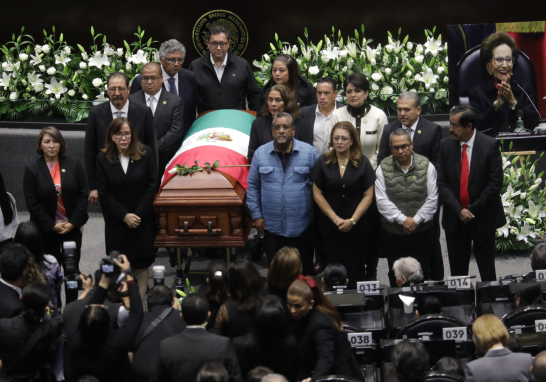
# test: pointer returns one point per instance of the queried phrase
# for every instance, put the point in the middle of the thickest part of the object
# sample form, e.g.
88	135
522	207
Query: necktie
172	86
151	104
118	114
464	198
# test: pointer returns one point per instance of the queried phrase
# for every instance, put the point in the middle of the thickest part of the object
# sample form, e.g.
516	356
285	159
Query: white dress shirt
219	71
124	163
470	144
156	99
166	81
412	128
124	110
18	290
390	211
6	231
321	130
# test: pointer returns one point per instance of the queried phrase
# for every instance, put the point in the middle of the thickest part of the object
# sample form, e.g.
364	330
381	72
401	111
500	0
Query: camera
75	281
72	275
159	274
107	265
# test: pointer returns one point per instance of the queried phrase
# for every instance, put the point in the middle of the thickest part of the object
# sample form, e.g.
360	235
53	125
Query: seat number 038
360	339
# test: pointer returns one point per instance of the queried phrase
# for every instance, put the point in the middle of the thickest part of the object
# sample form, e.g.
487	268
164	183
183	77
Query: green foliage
185	169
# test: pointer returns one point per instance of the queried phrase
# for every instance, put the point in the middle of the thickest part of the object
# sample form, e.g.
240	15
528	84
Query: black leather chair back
431	323
335	378
525	317
470	74
442	376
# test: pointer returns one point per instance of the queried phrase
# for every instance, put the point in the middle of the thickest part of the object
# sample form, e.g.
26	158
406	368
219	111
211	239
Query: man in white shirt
407	199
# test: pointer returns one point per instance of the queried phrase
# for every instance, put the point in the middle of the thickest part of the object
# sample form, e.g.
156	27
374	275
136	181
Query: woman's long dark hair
218	282
529	293
291	67
35	298
135	150
28	234
6	204
246	286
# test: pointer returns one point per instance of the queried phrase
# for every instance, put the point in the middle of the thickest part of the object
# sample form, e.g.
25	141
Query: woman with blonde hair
499	364
343	181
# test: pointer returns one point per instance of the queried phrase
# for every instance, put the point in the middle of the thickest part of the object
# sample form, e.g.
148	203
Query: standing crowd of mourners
330	187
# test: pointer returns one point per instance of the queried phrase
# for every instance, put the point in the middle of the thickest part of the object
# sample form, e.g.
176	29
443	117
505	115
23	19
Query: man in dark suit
13	267
99	120
161	321
167	109
470	179
426	137
199	347
225	81
177	81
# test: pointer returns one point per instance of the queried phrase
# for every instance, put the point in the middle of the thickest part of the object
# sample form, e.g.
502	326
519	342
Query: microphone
529	98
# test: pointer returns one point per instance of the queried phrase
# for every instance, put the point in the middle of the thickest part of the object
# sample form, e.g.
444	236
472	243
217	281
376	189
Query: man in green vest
407	199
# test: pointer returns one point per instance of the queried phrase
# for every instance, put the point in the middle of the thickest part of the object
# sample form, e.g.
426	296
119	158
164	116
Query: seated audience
28	234
538	260
13	268
88	378
284	269
8	215
538	370
217	293
162	320
213	372
428	305
499	363
246	289
324	347
334	275
528	292
513	343
410	361
26	340
274	378
256	374
96	349
182	356
407	271
270	343
449	365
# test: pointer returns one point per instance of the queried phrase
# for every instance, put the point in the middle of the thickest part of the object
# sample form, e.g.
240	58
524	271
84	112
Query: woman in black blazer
284	71
126	181
324	346
56	195
279	99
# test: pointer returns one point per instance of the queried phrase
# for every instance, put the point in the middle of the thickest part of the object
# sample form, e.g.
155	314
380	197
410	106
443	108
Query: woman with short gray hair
407	271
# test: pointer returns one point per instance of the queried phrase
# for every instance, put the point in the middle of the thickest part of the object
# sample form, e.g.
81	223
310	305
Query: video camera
72	274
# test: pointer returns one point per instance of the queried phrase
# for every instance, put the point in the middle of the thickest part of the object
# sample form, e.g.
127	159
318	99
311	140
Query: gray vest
407	191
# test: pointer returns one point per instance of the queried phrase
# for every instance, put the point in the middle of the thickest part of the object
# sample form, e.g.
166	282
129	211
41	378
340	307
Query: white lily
287	50
505	163
62	59
98	60
138	58
525	233
100	99
307	52
34	79
505	196
513	211
36	59
433	46
351	49
330	54
371	53
504	230
55	88
4	81
428	78
534	210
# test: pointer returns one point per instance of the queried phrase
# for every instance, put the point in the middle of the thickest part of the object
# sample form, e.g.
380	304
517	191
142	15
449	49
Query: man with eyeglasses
102	115
407	199
177	81
167	109
225	81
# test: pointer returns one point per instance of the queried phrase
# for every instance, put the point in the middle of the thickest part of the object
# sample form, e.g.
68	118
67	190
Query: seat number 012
360	339
457	334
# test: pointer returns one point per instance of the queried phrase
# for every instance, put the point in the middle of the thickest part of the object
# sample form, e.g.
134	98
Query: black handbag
257	247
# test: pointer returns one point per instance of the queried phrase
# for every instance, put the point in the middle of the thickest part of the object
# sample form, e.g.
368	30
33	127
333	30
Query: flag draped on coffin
220	135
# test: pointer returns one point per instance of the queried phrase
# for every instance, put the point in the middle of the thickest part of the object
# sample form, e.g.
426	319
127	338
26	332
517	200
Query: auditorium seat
335	378
524	318
442	376
430	323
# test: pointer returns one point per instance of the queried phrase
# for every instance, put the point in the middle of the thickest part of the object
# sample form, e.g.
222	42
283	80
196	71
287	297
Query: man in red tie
469	182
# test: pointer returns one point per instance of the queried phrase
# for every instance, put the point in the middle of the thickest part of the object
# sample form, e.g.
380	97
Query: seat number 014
360	339
457	334
459	283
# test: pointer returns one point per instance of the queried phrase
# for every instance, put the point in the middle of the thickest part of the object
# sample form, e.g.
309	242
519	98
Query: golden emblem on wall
233	23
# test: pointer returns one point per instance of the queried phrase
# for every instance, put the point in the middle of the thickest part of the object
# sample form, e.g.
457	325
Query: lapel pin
418	131
63	170
233	74
164	102
132	161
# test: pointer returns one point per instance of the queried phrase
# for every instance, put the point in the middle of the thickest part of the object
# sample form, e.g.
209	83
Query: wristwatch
353	222
514	106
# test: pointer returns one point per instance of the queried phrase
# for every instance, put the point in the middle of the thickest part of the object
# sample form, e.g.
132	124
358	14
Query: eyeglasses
398	148
121	135
153	79
216	43
343	139
114	89
174	60
499	60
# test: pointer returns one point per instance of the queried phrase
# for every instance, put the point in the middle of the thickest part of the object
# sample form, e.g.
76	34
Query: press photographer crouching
96	349
162	320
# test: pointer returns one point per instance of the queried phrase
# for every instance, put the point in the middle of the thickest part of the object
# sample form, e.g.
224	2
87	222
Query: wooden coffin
202	210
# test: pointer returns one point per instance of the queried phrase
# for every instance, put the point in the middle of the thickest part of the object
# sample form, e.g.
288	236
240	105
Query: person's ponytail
35	298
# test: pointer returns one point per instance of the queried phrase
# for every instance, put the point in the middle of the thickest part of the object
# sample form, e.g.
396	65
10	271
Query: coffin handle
186	227
209	228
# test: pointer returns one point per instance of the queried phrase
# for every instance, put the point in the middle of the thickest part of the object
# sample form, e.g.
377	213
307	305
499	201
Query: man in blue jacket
280	191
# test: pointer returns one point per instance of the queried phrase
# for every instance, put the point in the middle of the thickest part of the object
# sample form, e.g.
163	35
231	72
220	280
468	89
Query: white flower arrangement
524	205
391	69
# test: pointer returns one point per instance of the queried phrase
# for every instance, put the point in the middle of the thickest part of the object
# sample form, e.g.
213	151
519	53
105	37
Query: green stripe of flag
231	119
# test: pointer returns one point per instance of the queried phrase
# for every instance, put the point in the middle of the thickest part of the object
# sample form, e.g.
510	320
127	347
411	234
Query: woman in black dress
279	99
343	181
126	180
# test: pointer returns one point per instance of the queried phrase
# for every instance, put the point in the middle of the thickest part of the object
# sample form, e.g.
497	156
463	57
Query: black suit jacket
98	121
10	305
484	184
187	90
145	357
238	84
199	348
309	115
41	195
425	143
168	124
305	93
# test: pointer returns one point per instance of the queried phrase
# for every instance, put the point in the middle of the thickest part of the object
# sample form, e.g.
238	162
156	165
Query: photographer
162	320
97	350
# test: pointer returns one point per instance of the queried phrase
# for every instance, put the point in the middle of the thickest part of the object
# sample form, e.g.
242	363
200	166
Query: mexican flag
219	135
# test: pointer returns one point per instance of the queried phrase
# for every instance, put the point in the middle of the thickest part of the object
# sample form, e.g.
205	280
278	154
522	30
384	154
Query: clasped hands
63	228
344	225
465	215
504	94
132	220
409	226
